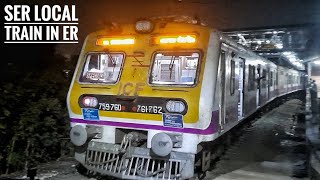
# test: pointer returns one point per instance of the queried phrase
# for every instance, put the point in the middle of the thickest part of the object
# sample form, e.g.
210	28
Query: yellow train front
134	101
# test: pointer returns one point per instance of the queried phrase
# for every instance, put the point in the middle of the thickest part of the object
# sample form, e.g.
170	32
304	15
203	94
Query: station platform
283	166
313	138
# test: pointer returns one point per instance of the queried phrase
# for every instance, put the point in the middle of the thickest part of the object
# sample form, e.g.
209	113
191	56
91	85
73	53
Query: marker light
144	26
175	106
114	41
90	101
180	39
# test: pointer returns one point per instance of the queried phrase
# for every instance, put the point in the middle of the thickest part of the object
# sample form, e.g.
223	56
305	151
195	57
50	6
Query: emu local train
147	97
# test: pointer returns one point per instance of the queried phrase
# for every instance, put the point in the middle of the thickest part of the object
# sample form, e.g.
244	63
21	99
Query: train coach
147	97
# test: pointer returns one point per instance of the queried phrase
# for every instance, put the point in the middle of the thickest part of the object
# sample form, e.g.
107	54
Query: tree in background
33	115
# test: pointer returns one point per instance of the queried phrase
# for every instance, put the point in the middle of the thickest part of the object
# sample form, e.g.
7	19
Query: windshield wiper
173	58
112	61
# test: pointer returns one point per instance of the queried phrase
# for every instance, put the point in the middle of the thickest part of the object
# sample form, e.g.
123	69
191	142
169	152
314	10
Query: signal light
90	101
134	108
175	106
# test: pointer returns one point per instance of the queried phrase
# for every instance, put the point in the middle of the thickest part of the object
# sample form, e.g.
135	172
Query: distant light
317	62
267	41
259	42
291	56
287	53
279	46
292	59
275	32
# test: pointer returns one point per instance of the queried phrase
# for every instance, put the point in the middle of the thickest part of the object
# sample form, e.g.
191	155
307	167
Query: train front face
134	100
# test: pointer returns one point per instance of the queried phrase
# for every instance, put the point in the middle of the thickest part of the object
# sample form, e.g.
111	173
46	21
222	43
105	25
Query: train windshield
102	68
174	68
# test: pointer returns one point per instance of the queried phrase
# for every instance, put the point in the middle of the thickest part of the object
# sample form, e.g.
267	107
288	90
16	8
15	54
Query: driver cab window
102	68
174	68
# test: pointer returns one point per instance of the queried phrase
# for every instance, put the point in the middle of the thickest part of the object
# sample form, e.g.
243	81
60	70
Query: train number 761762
149	109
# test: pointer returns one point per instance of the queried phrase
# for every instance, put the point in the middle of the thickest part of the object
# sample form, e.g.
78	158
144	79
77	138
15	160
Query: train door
258	102
240	72
222	75
264	90
286	82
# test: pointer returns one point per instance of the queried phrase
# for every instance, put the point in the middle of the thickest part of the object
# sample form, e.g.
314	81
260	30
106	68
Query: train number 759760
109	107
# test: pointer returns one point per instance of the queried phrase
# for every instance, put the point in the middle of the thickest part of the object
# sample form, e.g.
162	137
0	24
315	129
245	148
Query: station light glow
178	39
317	62
293	59
114	41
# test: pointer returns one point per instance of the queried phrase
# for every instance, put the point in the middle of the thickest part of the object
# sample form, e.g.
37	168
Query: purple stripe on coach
213	127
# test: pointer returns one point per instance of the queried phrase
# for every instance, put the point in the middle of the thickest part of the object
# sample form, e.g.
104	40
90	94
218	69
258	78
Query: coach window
102	68
232	77
271	79
289	79
174	68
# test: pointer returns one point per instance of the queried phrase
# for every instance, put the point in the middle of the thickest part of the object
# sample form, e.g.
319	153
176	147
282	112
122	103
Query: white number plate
94	75
109	107
149	109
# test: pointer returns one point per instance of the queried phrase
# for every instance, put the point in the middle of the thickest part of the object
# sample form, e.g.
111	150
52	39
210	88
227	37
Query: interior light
114	41
179	39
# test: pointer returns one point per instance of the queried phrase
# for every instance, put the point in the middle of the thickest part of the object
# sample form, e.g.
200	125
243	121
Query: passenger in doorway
314	97
259	79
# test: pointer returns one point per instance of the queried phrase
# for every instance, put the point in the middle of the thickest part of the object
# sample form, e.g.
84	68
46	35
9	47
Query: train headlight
144	26
175	106
90	101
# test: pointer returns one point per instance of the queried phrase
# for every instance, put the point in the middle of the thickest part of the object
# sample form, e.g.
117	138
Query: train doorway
258	86
241	74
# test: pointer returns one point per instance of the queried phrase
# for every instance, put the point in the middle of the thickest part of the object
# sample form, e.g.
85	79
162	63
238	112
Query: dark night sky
222	14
